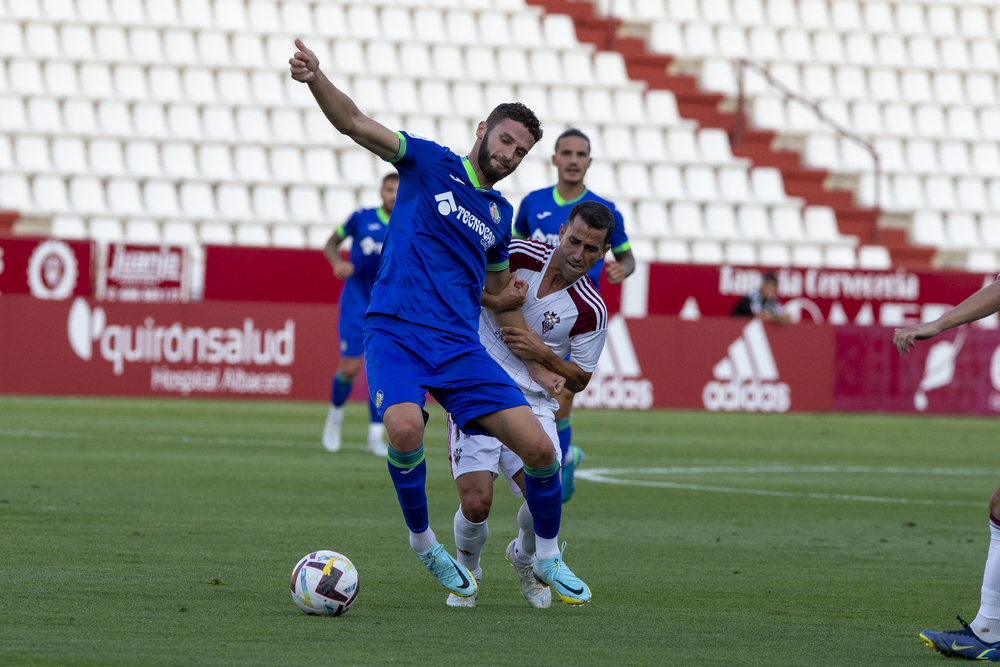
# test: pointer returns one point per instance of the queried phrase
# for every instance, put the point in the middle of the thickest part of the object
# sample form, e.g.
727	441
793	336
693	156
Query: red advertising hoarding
147	274
956	372
49	269
237	350
286	275
834	296
718	364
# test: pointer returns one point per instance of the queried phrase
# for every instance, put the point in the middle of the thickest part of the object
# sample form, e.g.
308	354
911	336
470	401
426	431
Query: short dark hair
572	132
596	216
769	278
517	112
391	176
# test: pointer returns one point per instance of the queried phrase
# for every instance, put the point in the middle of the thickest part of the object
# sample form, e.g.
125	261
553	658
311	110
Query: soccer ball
325	583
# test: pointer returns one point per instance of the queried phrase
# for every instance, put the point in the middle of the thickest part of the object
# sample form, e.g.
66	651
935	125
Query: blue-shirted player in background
367	229
540	216
447	243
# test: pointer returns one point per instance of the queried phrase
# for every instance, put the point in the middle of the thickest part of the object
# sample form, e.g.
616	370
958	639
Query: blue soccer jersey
446	233
367	229
543	212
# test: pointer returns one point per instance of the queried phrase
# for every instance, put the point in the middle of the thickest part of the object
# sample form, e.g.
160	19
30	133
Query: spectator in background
763	303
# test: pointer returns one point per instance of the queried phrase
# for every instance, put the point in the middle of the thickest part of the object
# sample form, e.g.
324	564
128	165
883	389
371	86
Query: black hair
517	112
769	278
596	216
573	132
391	176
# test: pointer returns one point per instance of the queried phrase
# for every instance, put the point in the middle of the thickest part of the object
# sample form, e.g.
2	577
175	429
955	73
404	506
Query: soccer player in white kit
565	316
979	640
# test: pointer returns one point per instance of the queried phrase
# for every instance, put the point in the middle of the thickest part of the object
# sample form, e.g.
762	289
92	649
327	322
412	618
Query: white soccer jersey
571	321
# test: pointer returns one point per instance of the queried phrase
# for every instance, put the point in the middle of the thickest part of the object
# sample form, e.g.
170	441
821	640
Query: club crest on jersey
495	212
550	322
379	397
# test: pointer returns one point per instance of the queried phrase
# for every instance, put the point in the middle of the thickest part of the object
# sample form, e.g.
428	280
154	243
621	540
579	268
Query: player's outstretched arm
984	302
496	281
341	109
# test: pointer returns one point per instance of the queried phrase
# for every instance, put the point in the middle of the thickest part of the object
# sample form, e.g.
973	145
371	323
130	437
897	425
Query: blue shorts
404	361
351	322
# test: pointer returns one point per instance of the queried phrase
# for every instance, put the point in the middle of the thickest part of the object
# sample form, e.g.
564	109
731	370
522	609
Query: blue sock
408	472
376	418
564	428
340	389
543	493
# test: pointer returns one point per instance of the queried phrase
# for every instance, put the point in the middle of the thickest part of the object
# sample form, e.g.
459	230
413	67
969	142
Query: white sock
987	623
546	547
375	432
423	542
524	546
469	541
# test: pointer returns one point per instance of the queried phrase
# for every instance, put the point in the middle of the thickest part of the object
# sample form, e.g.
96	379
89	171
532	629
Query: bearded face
491	163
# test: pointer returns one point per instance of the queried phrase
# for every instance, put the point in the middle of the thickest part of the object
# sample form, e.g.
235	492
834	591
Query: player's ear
562	228
481	129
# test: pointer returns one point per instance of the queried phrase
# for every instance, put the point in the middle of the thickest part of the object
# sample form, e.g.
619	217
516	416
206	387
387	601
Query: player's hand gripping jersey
543	212
446	231
572	321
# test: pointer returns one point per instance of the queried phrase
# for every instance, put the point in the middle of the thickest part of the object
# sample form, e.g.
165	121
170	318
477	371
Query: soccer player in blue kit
367	229
541	215
447	243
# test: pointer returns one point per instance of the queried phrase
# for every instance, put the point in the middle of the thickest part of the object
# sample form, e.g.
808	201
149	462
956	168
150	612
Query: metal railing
737	135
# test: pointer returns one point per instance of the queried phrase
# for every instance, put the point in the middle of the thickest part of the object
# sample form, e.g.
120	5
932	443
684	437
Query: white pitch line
602	475
189	439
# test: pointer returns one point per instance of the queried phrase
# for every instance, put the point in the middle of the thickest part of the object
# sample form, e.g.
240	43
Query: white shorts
474	453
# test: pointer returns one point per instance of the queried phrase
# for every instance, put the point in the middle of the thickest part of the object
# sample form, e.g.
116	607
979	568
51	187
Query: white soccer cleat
331	432
456	601
376	445
538	596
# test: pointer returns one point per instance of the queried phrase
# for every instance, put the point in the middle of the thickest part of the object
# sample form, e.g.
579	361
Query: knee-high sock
987	623
564	428
524	547
543	493
469	541
409	472
376	418
340	389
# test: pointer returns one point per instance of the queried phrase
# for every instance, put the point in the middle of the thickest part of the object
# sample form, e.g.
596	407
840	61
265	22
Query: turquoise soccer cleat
568	468
449	573
554	573
962	644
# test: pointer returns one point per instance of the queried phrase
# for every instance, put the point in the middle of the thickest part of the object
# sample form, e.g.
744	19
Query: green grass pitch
163	532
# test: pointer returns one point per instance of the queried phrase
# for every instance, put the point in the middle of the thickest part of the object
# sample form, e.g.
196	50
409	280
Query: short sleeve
415	153
349	228
498	257
619	239
585	349
521	230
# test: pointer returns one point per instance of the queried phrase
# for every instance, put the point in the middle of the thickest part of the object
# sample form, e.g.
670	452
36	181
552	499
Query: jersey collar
562	202
471	173
382	217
